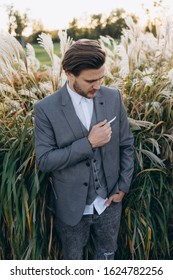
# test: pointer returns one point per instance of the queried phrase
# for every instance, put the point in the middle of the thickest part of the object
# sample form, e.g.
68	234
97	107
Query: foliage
141	66
92	28
17	22
97	25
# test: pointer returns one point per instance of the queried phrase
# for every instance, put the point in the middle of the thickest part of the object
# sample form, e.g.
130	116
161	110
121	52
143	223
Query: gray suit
63	150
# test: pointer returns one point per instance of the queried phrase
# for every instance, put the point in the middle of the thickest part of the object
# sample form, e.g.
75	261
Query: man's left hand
115	198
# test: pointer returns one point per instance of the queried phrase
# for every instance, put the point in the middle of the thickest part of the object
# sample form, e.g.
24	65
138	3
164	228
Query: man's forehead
93	74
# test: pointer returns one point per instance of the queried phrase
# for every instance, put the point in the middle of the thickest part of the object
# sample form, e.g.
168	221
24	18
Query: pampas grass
141	67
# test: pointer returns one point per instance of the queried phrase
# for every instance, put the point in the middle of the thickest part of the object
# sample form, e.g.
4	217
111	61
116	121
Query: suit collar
100	106
65	95
70	114
100	110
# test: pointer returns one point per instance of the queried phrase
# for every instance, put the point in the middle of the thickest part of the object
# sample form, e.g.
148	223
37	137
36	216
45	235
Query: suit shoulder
110	91
49	100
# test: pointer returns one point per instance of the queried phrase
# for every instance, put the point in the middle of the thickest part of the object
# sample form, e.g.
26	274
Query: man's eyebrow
91	81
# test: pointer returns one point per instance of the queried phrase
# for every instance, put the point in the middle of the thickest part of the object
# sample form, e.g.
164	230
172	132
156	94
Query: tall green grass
147	219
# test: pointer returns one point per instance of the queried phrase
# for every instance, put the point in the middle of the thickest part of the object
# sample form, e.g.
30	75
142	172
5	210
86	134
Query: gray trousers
104	229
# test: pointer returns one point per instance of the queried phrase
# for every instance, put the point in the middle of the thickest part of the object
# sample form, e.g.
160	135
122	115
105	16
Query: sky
56	14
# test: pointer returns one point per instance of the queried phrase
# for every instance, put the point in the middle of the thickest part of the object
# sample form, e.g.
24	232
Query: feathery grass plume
13	49
33	62
6	69
124	63
45	40
54	72
46	88
132	43
137	124
11	103
170	76
148	81
142	48
65	41
168	34
112	61
27	93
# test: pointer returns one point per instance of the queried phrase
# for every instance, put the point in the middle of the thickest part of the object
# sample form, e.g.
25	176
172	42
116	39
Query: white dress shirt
85	115
77	101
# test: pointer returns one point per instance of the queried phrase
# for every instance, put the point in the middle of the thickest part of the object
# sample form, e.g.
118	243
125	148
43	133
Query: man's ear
69	75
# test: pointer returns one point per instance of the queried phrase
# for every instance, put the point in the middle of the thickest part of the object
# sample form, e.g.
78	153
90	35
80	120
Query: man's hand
100	134
115	198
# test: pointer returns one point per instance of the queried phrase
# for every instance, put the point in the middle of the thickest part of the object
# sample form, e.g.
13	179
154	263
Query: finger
108	202
107	125
102	123
117	198
108	131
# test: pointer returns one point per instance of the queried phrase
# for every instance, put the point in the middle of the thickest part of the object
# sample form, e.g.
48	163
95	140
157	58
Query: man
82	138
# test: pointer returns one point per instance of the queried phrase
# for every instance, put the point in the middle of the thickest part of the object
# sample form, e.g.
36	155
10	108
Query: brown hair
82	55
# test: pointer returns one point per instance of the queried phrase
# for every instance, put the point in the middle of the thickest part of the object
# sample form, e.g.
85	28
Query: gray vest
97	182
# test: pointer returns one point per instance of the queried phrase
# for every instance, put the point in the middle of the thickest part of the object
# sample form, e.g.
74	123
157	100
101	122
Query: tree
115	23
17	22
11	19
73	29
96	24
21	22
37	25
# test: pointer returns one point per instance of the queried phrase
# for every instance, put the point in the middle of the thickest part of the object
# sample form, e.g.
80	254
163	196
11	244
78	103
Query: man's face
88	82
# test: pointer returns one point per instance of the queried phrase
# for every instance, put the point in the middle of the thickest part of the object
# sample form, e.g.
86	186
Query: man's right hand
100	134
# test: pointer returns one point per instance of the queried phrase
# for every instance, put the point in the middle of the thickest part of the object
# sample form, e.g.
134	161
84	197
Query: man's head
84	54
83	64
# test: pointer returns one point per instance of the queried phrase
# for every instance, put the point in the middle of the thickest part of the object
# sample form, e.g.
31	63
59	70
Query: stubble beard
78	89
81	92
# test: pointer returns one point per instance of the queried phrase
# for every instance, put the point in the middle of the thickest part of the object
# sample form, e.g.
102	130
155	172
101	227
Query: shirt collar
76	98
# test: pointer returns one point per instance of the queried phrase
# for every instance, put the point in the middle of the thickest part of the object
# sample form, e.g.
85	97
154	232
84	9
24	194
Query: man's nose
97	84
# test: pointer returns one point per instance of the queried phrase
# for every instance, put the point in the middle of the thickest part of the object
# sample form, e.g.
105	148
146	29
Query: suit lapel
70	114
100	109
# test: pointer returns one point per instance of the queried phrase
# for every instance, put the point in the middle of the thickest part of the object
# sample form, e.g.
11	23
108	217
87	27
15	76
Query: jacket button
85	184
87	164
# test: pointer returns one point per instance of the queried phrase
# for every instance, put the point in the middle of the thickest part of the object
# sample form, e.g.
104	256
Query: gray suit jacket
63	150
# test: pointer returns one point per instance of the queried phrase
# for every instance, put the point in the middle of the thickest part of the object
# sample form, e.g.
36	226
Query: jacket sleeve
48	155
126	155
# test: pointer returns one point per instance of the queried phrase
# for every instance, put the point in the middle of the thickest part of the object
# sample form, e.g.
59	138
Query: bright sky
56	14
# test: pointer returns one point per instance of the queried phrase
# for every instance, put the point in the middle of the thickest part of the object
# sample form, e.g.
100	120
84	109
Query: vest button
96	180
85	184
